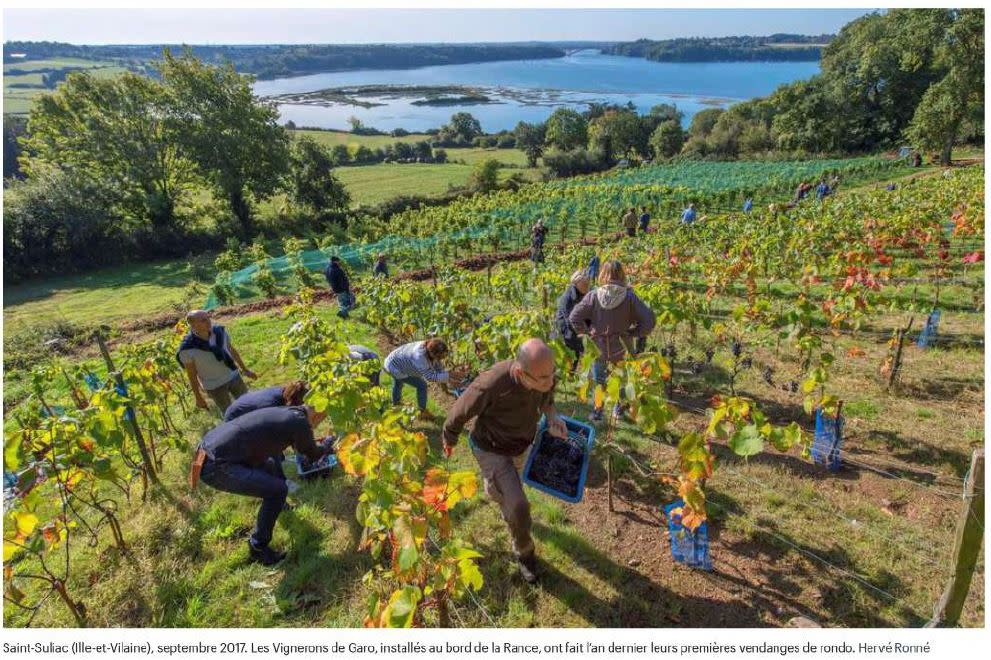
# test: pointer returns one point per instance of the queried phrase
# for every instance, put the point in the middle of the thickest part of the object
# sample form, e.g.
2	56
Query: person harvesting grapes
414	364
242	456
616	320
577	288
506	402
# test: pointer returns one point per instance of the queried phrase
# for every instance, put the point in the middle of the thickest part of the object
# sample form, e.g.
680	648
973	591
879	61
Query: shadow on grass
835	572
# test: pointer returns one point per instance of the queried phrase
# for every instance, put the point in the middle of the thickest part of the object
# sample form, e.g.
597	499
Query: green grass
188	561
373	184
55	63
103	296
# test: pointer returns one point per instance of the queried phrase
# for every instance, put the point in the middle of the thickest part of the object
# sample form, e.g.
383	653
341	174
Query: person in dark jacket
380	268
576	290
241	457
538	234
615	318
339	283
644	219
269	397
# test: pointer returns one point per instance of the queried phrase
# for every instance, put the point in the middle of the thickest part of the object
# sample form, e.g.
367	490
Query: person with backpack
211	362
615	318
340	284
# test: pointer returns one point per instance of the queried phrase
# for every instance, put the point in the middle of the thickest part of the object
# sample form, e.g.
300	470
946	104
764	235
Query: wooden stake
135	428
966	547
896	365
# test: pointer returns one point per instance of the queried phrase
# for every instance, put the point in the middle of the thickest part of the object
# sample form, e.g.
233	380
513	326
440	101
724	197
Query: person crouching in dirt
577	288
506	402
242	456
616	320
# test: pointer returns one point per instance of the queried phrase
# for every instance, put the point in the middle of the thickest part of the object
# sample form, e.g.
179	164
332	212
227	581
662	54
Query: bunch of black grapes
558	461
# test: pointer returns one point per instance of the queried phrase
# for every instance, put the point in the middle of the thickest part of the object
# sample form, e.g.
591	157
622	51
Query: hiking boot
595	415
427	416
528	567
265	556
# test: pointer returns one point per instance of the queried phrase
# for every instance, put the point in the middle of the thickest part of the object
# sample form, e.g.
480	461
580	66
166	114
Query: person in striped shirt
414	364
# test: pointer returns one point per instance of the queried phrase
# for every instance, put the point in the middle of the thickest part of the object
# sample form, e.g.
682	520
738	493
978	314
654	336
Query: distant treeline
285	60
777	47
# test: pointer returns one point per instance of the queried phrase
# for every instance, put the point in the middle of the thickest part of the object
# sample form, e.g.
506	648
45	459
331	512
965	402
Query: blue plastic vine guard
929	331
828	440
688	547
573	425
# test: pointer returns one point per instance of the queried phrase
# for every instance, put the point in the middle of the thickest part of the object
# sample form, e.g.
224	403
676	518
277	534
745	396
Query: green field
18	100
372	184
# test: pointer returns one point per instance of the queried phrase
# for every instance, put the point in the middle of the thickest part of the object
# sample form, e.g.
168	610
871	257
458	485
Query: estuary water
530	90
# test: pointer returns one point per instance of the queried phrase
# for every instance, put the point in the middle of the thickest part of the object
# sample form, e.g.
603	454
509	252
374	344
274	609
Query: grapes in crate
558	462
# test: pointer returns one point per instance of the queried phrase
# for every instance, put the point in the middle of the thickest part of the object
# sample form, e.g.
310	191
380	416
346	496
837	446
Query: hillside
774	48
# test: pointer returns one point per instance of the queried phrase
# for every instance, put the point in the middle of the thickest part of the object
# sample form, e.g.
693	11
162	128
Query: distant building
17	56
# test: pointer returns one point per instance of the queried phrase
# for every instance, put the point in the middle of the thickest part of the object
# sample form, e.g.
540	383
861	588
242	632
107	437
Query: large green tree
113	131
960	92
567	129
619	133
234	139
312	180
667	139
530	140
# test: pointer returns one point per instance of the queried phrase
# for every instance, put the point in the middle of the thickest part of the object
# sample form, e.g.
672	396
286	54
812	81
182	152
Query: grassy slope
188	560
144	289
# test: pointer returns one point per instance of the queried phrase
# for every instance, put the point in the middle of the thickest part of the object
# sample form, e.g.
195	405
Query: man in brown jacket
506	402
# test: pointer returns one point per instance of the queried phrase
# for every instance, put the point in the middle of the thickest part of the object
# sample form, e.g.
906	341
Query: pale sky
270	26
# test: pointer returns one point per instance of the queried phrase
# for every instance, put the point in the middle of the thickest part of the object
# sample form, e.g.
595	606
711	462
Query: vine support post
443	613
966	547
146	459
897	364
77	612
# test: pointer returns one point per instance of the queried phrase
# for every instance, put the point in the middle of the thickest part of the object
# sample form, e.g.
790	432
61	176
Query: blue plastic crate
573	426
688	547
324	465
828	440
929	331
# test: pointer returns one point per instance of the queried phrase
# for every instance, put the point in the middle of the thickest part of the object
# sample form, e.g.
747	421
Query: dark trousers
267	482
